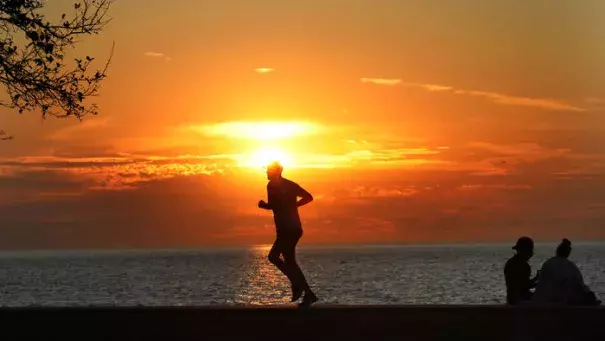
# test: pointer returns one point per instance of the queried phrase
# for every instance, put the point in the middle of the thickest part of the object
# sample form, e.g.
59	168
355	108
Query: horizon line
302	246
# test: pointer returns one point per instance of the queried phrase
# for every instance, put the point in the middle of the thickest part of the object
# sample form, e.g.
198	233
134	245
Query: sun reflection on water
262	283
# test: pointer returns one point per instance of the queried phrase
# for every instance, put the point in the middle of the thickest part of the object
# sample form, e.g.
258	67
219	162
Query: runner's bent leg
274	253
289	252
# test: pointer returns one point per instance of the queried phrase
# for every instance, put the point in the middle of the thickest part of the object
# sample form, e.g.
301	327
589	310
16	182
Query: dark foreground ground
317	323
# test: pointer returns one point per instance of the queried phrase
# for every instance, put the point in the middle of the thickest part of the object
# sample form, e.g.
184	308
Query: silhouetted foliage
33	63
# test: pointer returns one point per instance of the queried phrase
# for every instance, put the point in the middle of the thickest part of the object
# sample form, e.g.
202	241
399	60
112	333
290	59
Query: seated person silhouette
517	272
561	281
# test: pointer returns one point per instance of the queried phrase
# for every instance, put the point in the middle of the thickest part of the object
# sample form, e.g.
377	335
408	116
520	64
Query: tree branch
35	73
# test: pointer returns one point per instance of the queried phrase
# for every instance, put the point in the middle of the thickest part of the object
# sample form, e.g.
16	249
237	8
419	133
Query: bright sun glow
259	130
264	156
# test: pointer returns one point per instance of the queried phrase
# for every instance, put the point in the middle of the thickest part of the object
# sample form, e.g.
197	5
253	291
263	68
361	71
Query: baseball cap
524	243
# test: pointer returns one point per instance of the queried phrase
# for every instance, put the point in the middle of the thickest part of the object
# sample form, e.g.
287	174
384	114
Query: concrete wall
316	323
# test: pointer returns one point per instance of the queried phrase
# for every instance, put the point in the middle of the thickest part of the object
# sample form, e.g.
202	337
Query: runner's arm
266	205
305	196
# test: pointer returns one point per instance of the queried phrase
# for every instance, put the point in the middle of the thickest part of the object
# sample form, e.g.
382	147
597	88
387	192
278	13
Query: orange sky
410	121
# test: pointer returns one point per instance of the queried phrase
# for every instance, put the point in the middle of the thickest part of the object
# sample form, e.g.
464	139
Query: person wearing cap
283	200
561	281
517	273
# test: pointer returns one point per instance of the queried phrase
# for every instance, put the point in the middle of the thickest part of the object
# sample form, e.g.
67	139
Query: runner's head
274	170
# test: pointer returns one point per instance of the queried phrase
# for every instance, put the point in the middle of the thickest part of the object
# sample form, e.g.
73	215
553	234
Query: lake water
459	274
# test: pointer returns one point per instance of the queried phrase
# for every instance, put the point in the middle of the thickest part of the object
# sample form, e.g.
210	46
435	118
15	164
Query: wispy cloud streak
382	81
264	70
497	98
157	55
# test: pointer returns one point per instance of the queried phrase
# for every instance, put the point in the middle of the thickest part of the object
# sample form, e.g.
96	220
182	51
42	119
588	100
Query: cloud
382	81
80	129
395	156
489	159
264	70
497	98
352	141
511	187
70	203
380	151
429	87
119	171
117	168
222	152
378	192
542	103
408	158
595	100
157	55
258	130
525	159
531	150
597	104
398	81
184	211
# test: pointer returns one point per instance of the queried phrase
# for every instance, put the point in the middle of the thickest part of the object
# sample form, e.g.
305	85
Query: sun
263	142
264	156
